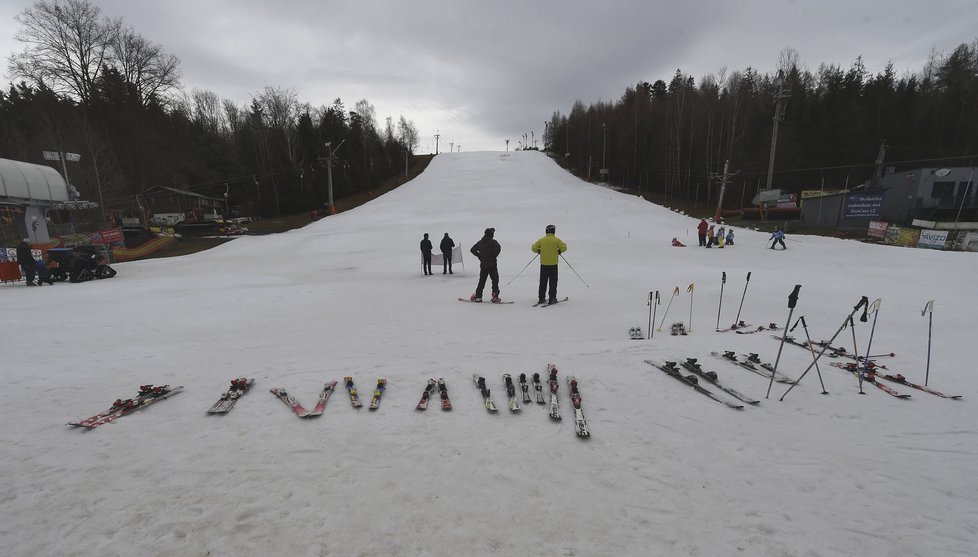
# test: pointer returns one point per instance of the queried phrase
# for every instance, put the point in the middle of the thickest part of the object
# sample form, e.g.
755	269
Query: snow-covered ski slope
666	471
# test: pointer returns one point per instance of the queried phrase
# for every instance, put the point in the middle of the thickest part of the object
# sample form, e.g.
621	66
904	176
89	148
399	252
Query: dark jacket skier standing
487	250
549	247
426	254
26	261
447	245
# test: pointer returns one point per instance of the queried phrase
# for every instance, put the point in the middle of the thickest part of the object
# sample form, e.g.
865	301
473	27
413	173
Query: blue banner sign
863	206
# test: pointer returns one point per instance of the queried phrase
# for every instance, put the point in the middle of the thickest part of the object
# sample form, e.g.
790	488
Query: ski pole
572	269
690	290
928	309
874	308
736	321
651	321
862	304
792	302
855	352
674	294
720	305
812	349
523	269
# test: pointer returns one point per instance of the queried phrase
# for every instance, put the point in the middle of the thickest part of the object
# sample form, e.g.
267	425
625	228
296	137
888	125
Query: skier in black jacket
447	245
487	250
426	254
26	261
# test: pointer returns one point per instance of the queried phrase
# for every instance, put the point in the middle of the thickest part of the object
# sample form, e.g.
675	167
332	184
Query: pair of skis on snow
514	405
752	362
672	370
871	375
446	403
326	393
538	304
148	395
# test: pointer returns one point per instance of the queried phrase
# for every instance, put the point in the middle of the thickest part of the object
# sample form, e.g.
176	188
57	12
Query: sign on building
863	205
877	229
934	239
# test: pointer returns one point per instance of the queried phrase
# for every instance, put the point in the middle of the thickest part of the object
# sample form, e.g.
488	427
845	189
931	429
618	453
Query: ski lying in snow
554	403
900	379
487	301
423	403
670	369
525	388
735	326
290	401
323	399
354	396
839	351
378	392
514	405
869	376
148	394
729	356
227	401
711	377
480	383
538	388
446	404
804	345
770	327
580	425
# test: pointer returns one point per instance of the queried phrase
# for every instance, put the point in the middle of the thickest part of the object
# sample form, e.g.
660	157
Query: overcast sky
483	72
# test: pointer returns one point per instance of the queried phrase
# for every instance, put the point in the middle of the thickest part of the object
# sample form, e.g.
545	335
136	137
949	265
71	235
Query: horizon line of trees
674	138
89	84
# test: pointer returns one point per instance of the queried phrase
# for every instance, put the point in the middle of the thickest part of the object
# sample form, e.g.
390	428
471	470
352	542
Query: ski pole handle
748	276
793	297
724	277
863	303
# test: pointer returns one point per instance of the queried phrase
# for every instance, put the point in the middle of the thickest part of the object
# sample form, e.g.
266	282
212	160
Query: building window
943	192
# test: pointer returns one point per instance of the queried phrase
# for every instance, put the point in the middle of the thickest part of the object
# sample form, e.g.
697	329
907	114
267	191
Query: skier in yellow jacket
549	247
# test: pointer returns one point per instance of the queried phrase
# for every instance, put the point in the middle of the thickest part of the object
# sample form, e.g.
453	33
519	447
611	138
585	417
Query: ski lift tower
780	103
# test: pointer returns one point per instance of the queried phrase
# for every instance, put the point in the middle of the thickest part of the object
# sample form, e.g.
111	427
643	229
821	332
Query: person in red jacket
701	230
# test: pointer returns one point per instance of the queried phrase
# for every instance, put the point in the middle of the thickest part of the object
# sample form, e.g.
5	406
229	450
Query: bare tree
146	68
67	43
281	110
407	134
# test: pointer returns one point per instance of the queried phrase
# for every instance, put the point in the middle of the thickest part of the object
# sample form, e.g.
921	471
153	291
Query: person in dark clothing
426	254
43	273
701	231
487	250
447	245
26	261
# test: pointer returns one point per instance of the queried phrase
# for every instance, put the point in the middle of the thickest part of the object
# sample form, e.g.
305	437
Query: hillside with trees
673	138
89	84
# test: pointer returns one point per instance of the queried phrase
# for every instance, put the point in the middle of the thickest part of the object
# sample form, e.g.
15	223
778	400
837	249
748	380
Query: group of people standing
487	249
711	235
446	247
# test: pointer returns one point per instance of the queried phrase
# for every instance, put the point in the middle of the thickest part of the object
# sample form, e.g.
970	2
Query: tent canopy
33	182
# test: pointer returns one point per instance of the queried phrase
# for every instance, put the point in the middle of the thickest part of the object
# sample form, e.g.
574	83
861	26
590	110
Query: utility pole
331	154
603	172
405	164
437	135
507	145
780	103
451	146
723	179
879	165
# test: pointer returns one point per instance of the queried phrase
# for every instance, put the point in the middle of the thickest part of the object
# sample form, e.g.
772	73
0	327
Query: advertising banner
934	239
110	236
863	205
877	229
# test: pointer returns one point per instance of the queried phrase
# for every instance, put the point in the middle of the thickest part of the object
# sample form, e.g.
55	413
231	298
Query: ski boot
475	298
